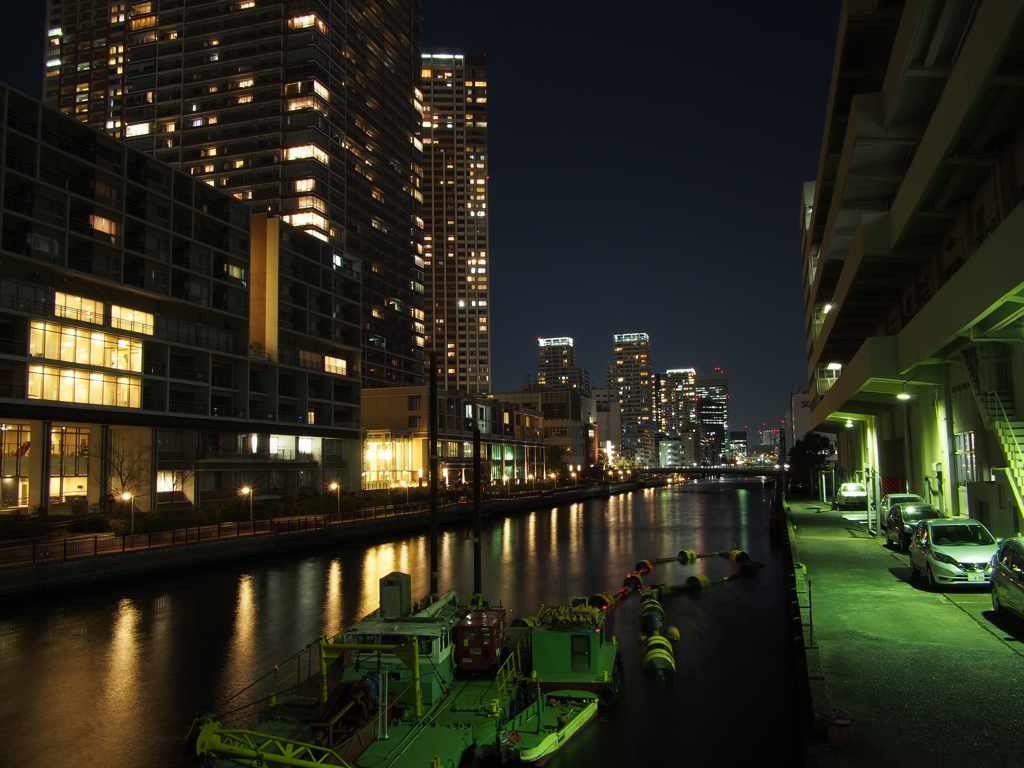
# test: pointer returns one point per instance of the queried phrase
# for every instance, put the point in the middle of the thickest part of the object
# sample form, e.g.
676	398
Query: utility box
480	638
396	595
990	502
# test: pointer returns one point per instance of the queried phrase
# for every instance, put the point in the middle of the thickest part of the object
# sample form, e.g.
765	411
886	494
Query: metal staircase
990	382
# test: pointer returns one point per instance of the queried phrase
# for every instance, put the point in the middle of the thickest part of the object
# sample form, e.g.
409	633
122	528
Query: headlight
944	558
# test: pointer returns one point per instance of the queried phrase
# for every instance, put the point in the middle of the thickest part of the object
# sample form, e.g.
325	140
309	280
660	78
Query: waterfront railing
105	543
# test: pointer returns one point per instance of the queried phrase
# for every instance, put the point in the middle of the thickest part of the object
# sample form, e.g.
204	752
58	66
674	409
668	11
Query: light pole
128	497
405	485
247	491
575	480
336	487
533	479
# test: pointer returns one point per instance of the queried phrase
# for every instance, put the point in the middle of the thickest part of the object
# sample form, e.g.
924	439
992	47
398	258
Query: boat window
426	645
394	639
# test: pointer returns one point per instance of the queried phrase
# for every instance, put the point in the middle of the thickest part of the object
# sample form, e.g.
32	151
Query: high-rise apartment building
711	408
457	273
631	376
676	407
307	111
557	367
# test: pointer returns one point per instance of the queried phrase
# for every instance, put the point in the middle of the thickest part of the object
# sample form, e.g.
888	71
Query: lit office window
131	320
336	365
78	308
68	385
70	344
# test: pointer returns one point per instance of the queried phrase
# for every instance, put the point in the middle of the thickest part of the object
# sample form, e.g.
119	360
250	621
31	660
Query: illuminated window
247	83
335	365
306	102
245	98
305	185
143	23
68	385
321	91
305	220
101	224
309	201
306	21
70	344
138	129
305	152
131	320
78	308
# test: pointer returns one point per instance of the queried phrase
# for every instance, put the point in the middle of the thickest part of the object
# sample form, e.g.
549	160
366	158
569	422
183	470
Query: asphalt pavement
930	678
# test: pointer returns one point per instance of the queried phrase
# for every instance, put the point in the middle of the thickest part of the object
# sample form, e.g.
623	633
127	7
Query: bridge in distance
744	471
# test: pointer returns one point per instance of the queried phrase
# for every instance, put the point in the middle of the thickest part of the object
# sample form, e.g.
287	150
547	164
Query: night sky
646	168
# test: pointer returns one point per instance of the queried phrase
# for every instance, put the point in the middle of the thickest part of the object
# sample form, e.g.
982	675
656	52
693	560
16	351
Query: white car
952	550
853	495
892	499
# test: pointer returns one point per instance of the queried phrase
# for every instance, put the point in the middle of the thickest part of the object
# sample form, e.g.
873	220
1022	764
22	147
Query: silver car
952	551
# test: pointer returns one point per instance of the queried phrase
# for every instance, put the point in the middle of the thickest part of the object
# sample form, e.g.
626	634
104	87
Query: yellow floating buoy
658	655
700	581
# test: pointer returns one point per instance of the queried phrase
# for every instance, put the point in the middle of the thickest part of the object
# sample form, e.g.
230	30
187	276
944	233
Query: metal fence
85	546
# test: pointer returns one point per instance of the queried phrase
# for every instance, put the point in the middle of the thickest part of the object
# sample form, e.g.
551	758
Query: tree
808	457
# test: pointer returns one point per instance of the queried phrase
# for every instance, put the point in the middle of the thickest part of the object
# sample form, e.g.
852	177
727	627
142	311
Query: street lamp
405	485
128	497
533	478
247	491
573	474
337	488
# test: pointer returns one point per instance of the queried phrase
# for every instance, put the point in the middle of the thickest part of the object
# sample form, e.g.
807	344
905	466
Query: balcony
227	412
183	406
188	374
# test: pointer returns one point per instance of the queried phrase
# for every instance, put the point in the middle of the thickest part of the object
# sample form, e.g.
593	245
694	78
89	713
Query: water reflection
155	654
332	599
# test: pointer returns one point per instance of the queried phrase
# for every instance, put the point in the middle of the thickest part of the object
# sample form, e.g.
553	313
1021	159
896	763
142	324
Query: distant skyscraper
455	213
294	108
631	376
557	367
712	413
676	392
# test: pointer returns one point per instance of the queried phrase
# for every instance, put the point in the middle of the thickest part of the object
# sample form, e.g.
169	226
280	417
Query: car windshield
921	512
960	535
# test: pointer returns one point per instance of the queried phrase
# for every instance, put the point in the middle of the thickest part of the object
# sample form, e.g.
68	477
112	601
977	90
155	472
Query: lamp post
336	487
128	497
575	480
247	491
533	479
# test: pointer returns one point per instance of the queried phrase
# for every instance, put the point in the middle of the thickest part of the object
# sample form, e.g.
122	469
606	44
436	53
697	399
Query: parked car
1008	577
952	551
891	499
902	519
852	495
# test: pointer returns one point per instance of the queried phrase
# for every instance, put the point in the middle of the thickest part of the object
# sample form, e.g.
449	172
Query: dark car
902	519
1008	577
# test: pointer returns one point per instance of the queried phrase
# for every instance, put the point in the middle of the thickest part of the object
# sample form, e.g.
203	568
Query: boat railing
508	676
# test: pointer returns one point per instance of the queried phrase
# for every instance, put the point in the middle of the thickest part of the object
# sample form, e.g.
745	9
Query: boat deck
461	720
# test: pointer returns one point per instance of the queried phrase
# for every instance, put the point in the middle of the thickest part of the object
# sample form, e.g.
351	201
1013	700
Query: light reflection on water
115	676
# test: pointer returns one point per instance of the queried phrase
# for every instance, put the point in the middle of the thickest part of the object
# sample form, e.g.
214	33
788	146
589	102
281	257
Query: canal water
115	676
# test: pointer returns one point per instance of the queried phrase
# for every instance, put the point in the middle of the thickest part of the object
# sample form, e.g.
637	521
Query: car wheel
932	583
997	606
914	573
904	544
